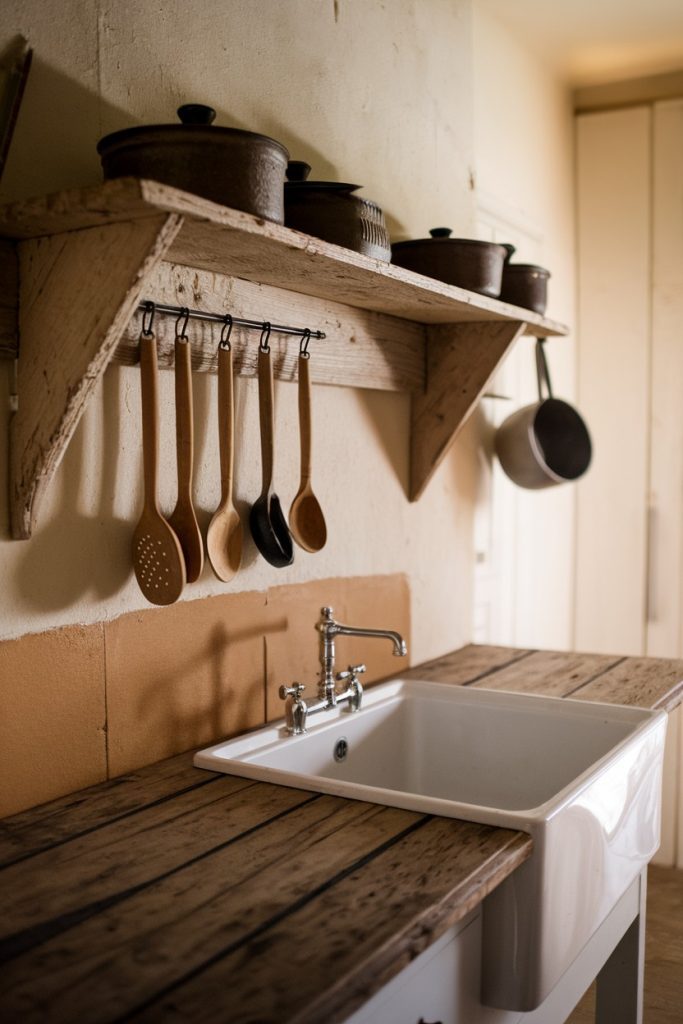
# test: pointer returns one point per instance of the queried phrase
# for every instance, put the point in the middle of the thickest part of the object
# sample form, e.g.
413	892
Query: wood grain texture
235	893
460	362
78	291
378	930
9	299
361	348
51	824
641	682
551	673
231	242
468	664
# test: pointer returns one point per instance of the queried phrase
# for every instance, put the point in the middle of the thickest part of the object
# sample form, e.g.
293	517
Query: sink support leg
619	988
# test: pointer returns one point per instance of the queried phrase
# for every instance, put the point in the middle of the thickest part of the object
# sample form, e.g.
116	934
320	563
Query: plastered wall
376	93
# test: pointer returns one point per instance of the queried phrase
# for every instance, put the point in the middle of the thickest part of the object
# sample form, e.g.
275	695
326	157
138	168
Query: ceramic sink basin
583	779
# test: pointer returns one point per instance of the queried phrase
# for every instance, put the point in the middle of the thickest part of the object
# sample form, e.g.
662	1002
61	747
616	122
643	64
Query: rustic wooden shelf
74	267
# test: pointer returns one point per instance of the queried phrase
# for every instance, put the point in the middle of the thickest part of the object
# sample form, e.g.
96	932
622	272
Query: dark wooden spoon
266	519
306	519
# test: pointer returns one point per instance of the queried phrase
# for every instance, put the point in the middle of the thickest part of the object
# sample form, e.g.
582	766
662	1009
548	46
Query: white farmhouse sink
583	779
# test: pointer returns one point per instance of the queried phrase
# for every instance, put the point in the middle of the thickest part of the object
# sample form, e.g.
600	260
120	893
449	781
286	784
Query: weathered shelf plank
361	349
85	256
218	239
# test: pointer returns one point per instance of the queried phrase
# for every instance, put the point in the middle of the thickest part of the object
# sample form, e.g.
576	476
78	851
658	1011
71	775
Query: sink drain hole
341	749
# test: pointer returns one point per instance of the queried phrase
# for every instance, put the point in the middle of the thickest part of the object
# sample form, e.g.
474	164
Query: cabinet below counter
179	894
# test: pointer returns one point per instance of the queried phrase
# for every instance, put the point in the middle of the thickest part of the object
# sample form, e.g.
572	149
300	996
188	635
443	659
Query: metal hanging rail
222	318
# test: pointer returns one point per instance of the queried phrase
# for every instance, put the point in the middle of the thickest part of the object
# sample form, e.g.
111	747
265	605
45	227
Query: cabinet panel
614	197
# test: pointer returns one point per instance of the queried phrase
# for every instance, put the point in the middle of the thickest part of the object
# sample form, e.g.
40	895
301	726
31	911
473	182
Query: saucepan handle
542	373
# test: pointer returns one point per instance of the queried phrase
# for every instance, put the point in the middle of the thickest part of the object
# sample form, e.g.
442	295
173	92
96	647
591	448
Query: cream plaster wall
376	92
523	143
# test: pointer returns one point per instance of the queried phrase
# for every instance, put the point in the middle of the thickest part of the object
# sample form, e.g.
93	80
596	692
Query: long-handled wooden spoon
266	520
224	538
306	519
157	556
183	519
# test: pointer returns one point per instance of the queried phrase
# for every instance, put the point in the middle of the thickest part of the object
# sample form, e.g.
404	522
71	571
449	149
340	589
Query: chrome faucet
296	708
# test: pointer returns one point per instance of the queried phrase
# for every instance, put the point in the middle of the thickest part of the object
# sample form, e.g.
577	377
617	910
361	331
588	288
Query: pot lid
441	236
297	180
526	268
195	118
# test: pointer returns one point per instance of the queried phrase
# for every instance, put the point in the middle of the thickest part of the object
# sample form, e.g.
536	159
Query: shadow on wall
75	553
54	143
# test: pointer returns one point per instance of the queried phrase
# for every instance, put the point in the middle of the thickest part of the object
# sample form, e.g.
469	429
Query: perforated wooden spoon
306	519
183	519
157	556
224	539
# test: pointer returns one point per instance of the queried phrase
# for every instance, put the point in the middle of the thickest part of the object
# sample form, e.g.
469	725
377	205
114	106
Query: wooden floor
663	955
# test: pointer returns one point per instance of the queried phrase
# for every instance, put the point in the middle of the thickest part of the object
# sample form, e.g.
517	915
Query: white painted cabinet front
629	571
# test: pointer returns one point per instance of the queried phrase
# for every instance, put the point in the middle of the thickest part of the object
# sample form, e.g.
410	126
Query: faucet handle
351	673
294	691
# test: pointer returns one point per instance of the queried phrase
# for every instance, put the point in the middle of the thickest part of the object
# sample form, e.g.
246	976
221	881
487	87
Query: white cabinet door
614	204
629	576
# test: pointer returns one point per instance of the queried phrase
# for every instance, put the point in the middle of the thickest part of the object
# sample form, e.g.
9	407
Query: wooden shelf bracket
460	361
77	292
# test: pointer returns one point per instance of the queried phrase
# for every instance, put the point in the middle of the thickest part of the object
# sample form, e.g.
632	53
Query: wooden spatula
157	556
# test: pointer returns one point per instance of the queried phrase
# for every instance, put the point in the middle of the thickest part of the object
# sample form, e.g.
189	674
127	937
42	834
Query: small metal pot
230	166
329	210
465	262
545	443
525	285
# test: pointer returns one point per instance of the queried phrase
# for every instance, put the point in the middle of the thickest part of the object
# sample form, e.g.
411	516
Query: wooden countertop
178	894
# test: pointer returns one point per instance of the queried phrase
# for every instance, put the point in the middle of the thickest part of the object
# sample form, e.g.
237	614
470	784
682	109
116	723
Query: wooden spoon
224	539
306	519
157	556
183	519
266	520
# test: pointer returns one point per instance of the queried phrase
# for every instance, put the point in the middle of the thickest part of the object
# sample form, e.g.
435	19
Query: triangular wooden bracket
460	361
78	290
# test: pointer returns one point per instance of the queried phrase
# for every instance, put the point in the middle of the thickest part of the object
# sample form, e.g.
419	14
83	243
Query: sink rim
528	819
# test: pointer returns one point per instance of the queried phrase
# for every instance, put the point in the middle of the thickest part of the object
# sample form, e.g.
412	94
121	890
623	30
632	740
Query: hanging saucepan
230	166
545	443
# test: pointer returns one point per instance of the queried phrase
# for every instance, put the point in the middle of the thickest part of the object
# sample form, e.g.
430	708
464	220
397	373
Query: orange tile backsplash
52	715
85	703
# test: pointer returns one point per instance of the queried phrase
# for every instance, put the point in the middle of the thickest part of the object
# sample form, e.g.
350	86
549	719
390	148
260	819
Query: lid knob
441	232
196	113
298	170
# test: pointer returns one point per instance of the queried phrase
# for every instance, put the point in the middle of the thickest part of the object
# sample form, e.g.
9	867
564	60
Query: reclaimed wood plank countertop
174	893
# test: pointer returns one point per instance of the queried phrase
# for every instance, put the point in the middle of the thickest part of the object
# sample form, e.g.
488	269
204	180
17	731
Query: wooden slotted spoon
306	519
224	539
183	520
157	556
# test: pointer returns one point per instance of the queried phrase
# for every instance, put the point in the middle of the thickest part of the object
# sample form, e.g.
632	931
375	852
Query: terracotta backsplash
85	703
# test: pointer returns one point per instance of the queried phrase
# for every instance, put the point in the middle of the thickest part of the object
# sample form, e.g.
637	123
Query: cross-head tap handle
351	671
294	691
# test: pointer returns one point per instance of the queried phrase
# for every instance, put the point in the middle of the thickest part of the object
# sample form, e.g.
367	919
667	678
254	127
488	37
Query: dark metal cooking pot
230	166
330	210
545	443
524	284
465	262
